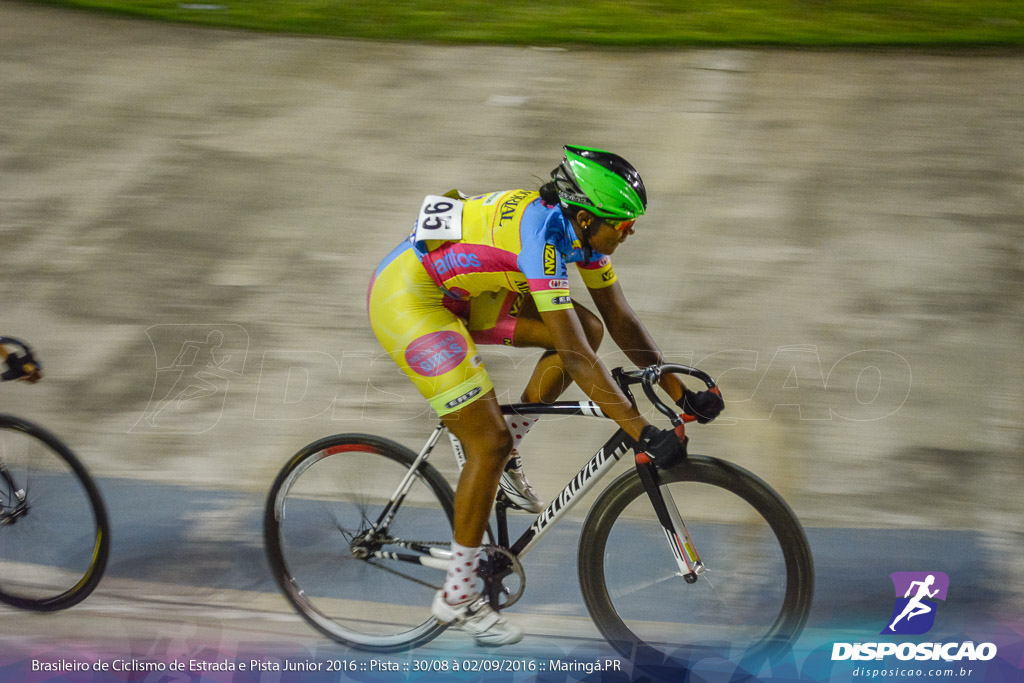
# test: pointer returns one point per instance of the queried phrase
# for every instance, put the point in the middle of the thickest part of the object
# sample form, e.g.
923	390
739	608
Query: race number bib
440	219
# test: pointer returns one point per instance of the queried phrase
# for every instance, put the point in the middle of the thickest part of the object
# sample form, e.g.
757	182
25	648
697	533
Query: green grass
930	23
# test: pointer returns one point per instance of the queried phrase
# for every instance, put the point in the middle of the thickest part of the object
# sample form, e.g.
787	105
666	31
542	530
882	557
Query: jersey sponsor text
550	261
452	260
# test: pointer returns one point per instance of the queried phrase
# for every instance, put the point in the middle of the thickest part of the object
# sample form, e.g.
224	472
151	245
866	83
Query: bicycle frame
687	559
592	472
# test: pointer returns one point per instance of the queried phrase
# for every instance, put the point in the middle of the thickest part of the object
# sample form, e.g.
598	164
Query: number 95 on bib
440	219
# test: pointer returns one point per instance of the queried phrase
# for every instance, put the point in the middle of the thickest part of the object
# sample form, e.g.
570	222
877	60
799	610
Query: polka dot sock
519	426
460	582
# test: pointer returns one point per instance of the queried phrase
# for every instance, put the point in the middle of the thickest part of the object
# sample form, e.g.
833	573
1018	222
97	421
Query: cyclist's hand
704	405
662	446
32	374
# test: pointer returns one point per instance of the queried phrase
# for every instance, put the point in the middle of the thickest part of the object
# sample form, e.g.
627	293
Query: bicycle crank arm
423	547
424	553
425	560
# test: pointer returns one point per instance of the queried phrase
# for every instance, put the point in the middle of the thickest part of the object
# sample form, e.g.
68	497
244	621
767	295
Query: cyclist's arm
630	335
588	372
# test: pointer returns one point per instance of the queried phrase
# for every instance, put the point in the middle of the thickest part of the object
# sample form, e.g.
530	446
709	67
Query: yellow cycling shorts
430	343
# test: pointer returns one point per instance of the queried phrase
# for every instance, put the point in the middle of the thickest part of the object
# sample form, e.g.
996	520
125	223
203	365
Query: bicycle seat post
501	515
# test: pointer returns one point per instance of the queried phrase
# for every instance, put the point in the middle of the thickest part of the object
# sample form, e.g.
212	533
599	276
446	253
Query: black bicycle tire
271	527
732	478
101	552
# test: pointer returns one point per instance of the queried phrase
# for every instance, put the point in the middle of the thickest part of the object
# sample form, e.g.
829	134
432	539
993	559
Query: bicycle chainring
495	570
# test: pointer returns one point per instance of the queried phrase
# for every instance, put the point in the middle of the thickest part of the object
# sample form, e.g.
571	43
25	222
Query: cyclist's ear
585	219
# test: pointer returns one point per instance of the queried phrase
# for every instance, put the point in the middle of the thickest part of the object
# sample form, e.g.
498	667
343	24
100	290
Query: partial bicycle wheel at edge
54	532
325	498
758	585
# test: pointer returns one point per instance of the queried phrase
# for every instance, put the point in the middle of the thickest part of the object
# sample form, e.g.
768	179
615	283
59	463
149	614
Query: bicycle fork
683	550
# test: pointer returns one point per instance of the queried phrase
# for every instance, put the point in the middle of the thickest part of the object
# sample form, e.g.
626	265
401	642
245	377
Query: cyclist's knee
491	444
494	448
501	446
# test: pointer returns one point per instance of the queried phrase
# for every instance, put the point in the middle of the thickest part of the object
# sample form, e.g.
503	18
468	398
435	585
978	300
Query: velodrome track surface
836	236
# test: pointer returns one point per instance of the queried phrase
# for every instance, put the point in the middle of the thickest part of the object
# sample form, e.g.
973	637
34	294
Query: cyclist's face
609	235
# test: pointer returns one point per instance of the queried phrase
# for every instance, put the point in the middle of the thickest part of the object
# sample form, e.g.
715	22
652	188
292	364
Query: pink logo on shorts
436	353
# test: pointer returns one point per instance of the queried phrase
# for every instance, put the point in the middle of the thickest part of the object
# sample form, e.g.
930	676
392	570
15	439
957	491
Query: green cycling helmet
601	182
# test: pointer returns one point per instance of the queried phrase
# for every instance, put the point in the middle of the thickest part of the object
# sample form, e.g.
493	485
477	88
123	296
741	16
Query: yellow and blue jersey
512	245
510	240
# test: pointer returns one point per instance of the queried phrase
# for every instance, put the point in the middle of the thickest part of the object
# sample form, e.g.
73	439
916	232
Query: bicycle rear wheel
54	533
322	503
758	584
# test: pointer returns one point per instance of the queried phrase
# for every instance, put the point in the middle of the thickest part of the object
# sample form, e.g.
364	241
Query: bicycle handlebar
649	376
19	365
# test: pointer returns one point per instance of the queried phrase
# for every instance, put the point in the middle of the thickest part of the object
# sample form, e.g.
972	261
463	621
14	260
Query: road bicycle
54	532
357	530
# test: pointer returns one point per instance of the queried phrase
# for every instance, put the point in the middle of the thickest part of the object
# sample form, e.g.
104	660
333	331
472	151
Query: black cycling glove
704	405
662	446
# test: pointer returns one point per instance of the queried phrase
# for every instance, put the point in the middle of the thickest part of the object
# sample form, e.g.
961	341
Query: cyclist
24	367
504	280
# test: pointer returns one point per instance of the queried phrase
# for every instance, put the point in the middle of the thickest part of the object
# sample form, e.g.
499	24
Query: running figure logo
195	365
916	593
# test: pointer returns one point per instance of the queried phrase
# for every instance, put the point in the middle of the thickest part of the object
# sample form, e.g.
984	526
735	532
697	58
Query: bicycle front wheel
54	533
320	508
758	582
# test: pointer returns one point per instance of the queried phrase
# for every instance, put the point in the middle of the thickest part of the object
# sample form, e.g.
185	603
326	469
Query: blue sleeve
541	261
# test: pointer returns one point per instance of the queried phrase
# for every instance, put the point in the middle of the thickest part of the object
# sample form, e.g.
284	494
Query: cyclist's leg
492	319
491	316
487	442
549	379
434	349
485	438
512	319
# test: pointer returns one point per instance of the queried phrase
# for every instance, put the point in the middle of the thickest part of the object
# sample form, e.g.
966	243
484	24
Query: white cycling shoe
477	619
517	488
